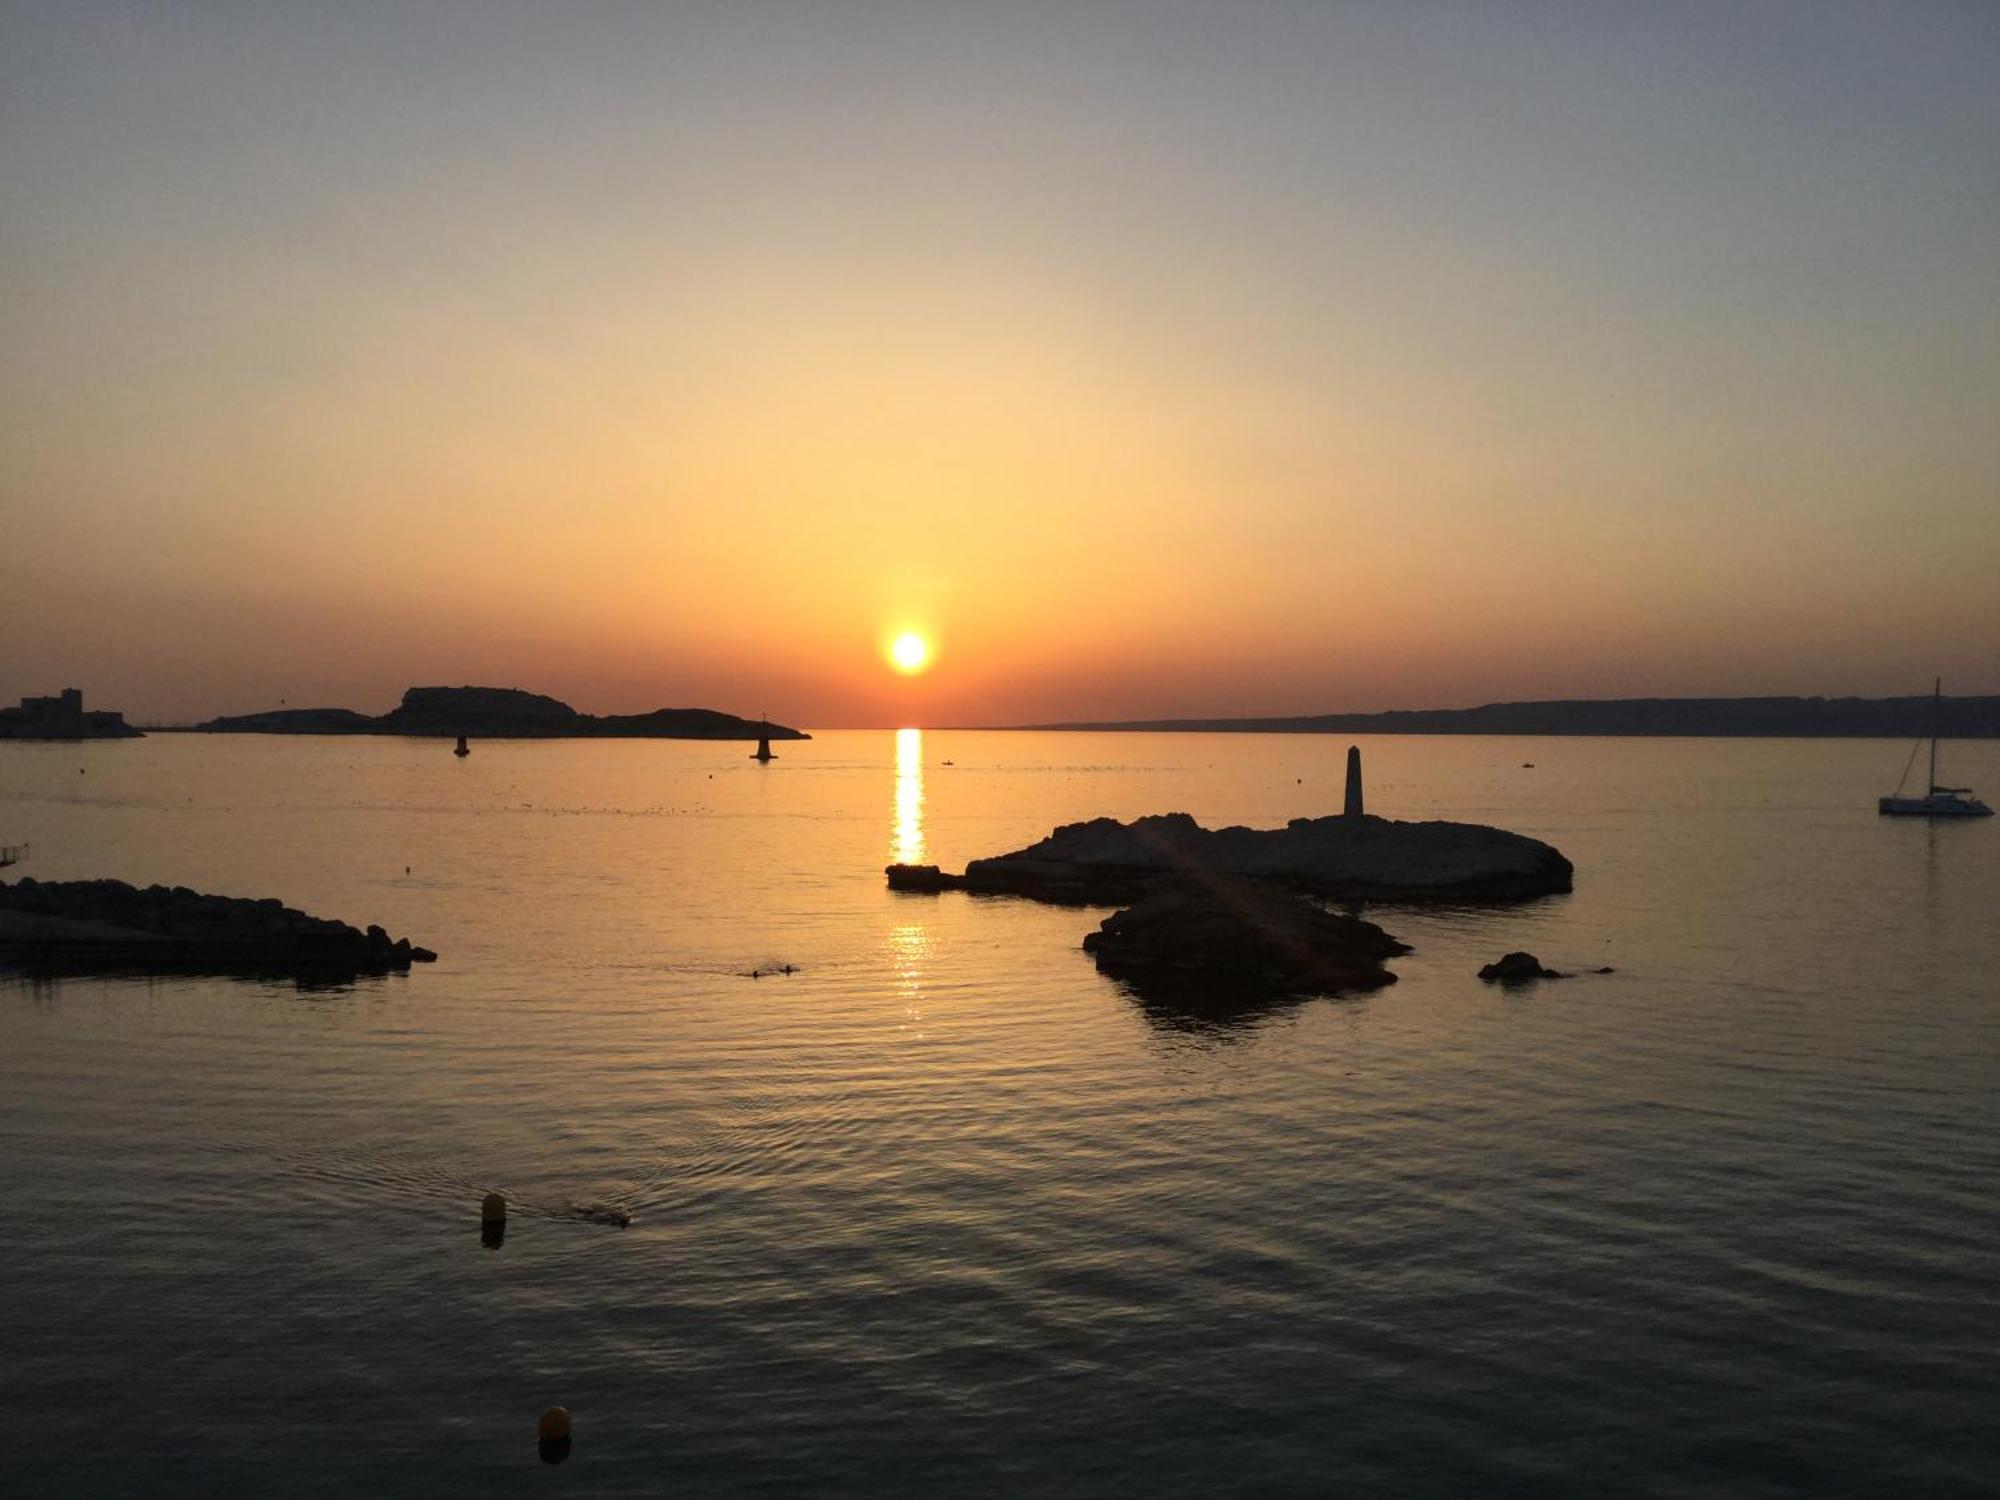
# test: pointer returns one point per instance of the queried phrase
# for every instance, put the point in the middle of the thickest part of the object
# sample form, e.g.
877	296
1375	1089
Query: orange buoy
554	1426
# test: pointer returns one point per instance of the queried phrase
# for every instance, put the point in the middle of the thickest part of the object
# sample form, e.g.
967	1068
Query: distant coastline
501	713
1767	718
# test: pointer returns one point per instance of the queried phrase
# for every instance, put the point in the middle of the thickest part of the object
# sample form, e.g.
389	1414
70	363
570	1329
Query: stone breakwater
92	925
1107	863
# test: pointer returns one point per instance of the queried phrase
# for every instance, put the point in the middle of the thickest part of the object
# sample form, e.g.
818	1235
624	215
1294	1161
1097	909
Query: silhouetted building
62	717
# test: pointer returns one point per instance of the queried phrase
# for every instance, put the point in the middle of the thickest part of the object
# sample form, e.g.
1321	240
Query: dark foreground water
945	1211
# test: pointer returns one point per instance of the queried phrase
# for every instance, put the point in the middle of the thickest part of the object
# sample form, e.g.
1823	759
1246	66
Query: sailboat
764	742
1940	801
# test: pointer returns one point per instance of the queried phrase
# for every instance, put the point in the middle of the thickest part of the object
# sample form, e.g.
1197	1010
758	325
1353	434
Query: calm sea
945	1211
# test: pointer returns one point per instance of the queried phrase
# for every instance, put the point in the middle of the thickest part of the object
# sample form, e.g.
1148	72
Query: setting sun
909	652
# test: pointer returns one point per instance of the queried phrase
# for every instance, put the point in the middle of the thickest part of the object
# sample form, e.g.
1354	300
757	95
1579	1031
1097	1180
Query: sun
909	653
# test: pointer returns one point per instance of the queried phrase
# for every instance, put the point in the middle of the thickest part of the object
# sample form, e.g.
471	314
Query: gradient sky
1155	359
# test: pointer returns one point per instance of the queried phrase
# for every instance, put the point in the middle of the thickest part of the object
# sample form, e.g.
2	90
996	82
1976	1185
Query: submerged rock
1518	968
1105	862
1254	940
107	925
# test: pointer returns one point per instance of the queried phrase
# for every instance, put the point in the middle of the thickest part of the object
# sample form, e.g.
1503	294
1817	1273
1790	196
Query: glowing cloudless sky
1146	359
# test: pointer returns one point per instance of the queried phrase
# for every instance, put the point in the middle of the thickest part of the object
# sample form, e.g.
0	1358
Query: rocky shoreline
1348	857
108	926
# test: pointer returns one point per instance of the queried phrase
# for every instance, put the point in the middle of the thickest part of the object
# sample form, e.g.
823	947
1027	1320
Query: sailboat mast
1937	706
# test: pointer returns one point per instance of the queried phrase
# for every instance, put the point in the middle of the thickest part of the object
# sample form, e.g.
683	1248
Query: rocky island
1236	938
1225	922
108	926
503	713
1107	863
1352	857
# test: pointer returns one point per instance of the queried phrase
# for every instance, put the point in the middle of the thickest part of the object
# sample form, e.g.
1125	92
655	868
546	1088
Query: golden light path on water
909	950
909	943
907	847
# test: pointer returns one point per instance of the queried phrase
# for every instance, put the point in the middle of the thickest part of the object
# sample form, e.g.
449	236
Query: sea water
944	1210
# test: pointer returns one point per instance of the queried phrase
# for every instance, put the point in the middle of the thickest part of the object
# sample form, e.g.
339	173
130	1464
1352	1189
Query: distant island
1777	718
502	713
62	717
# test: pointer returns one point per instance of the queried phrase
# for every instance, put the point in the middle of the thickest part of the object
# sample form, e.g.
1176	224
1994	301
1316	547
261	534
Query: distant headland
1774	718
502	713
62	717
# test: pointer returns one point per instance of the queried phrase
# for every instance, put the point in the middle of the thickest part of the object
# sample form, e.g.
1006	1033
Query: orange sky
1266	364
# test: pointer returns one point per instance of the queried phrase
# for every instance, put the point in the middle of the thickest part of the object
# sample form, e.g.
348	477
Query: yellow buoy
493	1209
554	1426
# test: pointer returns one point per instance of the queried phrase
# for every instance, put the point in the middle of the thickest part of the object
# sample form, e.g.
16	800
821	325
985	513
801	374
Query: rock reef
1242	939
1107	863
90	926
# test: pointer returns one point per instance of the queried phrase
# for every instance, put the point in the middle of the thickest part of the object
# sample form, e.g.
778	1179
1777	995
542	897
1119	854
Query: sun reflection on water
909	951
906	845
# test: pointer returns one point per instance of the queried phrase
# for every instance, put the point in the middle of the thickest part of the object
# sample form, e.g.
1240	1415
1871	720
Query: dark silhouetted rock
923	878
88	926
690	724
1251	938
490	710
1105	862
1517	968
